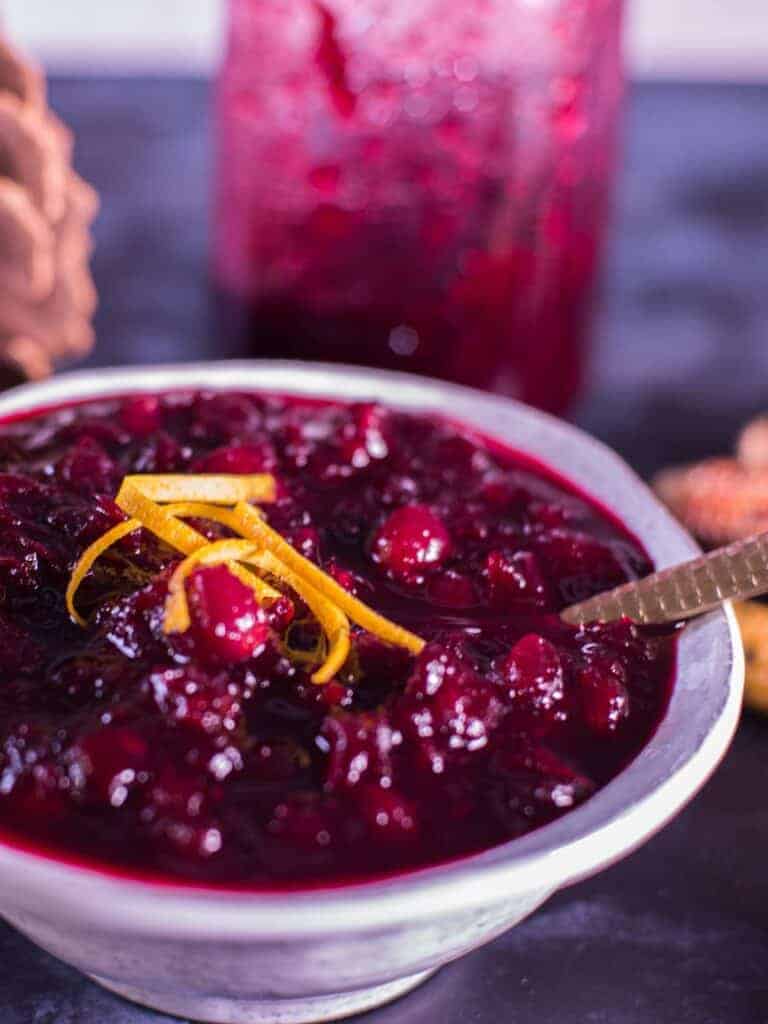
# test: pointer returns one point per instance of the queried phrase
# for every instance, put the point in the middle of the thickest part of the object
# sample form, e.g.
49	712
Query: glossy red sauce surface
211	756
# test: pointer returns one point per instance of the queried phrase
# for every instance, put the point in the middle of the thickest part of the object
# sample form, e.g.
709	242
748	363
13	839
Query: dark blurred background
680	348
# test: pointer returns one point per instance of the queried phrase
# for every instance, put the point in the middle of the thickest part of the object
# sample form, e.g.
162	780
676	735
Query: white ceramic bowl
238	958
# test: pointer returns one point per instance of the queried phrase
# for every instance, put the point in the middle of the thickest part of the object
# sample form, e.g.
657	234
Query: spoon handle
738	571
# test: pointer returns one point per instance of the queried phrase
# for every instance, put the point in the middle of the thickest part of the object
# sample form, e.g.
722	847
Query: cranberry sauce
210	755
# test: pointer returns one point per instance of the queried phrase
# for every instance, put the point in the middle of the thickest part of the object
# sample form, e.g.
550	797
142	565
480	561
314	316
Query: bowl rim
664	776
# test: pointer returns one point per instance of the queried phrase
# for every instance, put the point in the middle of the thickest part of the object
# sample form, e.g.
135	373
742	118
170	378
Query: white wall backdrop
725	39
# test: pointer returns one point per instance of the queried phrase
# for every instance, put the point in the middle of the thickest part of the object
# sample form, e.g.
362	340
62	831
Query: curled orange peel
83	566
215	553
332	619
252	526
159	503
231	551
176	534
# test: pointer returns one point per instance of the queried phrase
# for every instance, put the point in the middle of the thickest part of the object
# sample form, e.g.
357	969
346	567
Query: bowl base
307	1010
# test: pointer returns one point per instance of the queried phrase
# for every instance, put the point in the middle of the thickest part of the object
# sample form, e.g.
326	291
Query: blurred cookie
718	500
753	623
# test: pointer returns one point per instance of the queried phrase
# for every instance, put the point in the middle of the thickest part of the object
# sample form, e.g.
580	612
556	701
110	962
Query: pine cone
47	296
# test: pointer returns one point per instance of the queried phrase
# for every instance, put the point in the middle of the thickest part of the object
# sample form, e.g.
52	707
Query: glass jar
418	184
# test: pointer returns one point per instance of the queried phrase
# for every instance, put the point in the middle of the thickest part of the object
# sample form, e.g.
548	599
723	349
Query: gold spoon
738	571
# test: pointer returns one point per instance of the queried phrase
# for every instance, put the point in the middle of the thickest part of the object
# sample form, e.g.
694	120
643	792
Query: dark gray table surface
678	932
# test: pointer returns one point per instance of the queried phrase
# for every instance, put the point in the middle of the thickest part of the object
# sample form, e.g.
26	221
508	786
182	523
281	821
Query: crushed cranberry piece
532	785
359	749
533	679
87	468
189	695
161	454
516	581
578	565
452	589
211	755
604	696
449	710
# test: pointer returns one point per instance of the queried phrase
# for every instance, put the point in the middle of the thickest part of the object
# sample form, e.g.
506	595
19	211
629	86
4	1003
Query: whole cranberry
411	541
140	415
515	580
240	458
228	625
533	678
622	638
604	696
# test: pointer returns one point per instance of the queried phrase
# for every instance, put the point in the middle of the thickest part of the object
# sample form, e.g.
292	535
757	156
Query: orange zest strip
258	550
251	525
264	593
176	607
214	488
176	534
203	510
334	622
225	516
87	559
